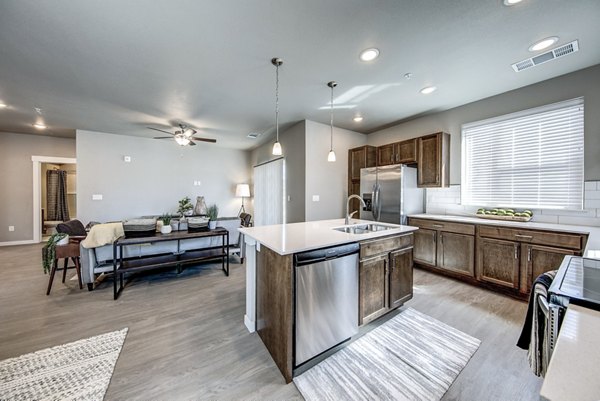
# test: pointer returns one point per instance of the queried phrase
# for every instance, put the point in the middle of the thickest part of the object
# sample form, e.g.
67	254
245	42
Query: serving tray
509	218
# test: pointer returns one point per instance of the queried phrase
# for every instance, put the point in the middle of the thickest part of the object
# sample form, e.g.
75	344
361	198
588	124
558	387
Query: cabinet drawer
459	228
384	245
562	240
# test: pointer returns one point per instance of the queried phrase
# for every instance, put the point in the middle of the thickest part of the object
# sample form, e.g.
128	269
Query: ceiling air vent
550	55
253	135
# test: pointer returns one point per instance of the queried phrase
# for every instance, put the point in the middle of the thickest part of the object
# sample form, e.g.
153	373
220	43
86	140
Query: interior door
269	194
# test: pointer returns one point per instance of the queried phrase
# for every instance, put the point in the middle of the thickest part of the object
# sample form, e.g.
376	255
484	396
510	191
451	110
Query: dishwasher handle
320	255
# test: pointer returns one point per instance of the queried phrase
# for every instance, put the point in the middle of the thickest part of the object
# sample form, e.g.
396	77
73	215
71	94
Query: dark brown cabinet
498	262
404	152
401	277
425	246
373	288
386	279
537	260
433	154
456	252
361	157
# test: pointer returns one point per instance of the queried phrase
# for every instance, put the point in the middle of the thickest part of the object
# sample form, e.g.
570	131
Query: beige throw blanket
103	234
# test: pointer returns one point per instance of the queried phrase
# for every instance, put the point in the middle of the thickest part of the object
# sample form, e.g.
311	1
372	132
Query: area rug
80	370
410	357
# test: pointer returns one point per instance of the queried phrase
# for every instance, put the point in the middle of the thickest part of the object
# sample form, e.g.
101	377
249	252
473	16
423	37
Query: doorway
54	194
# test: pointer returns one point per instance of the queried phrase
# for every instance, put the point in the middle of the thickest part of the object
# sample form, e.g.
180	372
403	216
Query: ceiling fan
184	137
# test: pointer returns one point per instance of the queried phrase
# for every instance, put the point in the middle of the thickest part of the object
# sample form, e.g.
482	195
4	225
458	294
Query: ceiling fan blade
161	130
195	138
163	137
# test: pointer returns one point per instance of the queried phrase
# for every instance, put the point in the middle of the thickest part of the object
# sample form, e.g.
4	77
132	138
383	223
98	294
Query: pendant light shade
331	155
276	61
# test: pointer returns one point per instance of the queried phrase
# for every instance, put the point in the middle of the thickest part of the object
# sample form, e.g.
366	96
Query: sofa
95	261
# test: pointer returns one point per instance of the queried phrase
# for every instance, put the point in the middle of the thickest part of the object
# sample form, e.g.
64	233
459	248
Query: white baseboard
11	243
250	325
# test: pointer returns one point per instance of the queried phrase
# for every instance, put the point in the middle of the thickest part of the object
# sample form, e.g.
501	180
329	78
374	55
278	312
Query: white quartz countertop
573	371
592	249
291	238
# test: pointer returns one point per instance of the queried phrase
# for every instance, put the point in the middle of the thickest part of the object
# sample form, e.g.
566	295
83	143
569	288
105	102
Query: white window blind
269	193
531	159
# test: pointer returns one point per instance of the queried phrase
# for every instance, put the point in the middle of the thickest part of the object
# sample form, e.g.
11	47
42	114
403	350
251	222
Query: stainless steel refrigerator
391	193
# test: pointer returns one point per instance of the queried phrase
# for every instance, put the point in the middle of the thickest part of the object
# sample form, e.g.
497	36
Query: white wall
584	83
328	180
159	174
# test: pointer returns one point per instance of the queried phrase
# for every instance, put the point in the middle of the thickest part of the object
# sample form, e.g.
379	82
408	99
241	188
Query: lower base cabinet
498	262
456	252
401	277
386	276
537	260
425	246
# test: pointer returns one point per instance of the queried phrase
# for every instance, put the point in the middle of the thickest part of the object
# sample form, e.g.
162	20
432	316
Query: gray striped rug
410	357
80	370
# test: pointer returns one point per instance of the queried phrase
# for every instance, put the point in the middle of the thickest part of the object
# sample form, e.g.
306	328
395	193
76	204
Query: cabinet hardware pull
523	236
441	239
516	252
438	225
529	254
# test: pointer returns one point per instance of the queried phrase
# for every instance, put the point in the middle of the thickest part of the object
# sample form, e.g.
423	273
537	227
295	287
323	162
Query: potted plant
166	227
49	250
212	212
185	206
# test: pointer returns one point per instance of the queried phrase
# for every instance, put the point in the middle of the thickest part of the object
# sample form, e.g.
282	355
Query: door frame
37	186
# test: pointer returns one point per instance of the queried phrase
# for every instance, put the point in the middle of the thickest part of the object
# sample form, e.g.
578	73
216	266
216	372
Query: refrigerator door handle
377	206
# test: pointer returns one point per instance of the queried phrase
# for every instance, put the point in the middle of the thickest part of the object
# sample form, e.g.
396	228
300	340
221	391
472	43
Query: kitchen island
383	263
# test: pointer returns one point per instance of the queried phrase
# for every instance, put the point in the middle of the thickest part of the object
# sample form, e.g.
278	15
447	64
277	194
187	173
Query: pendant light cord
331	122
277	100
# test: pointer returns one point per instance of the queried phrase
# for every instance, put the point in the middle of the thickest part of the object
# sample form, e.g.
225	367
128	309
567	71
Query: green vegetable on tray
505	212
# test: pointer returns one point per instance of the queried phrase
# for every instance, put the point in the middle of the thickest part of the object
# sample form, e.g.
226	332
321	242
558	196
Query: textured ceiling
119	66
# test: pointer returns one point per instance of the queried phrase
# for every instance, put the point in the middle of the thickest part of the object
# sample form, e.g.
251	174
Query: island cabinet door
456	253
537	260
425	246
373	288
401	277
498	262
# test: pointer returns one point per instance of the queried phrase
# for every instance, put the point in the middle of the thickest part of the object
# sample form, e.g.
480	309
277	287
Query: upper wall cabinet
433	160
404	152
358	158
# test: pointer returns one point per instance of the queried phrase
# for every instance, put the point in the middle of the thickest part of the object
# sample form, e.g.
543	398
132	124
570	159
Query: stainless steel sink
363	228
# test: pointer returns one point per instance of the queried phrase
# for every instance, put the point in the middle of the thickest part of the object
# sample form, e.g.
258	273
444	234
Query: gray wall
16	180
328	180
585	83
159	174
293	141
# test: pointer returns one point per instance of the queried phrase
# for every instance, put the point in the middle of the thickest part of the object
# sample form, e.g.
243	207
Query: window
531	159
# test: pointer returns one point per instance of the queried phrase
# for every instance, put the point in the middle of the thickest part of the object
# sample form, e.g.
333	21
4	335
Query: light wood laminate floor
187	339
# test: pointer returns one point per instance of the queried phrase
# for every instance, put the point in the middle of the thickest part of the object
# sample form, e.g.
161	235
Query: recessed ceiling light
39	126
3	105
369	54
357	119
428	89
511	2
543	44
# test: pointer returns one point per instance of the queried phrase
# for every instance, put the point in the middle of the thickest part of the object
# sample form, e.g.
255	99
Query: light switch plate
11	228
315	198
97	197
127	159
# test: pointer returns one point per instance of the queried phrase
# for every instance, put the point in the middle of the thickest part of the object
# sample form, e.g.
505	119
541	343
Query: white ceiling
119	66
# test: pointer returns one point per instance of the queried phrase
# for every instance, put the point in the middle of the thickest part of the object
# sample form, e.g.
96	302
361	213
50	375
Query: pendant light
331	155
276	61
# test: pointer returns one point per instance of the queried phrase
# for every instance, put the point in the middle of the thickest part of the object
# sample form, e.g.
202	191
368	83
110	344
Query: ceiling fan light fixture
182	140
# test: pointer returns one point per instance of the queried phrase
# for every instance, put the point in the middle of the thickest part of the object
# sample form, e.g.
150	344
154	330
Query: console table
123	266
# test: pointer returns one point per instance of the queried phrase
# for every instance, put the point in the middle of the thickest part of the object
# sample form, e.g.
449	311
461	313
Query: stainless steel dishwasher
326	299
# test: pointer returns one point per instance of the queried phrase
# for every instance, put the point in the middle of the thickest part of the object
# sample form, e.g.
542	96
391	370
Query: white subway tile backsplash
447	201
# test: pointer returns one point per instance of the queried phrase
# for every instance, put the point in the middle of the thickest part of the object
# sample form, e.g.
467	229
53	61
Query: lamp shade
242	191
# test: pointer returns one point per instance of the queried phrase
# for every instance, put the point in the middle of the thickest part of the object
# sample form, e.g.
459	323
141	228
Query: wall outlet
11	228
127	159
97	197
315	198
